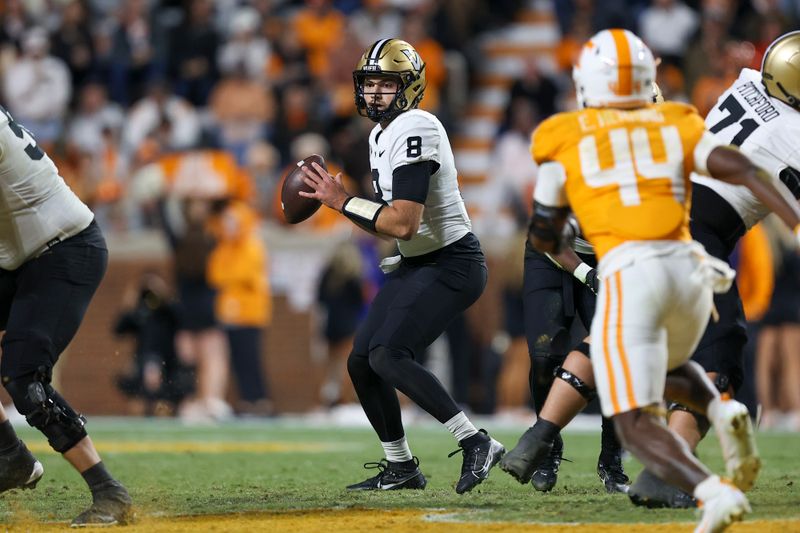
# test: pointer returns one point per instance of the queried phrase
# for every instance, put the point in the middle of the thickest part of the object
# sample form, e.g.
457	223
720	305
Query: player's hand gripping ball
297	208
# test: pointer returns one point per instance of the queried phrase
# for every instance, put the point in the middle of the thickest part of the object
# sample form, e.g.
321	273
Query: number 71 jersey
625	172
766	130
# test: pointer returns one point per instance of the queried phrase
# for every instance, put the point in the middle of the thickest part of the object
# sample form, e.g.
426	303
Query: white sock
713	409
397	451
460	426
708	488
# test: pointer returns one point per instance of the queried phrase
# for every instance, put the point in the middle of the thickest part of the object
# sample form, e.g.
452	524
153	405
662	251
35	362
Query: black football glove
592	281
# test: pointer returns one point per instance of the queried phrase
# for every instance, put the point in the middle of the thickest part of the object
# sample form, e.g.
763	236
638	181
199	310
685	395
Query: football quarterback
439	273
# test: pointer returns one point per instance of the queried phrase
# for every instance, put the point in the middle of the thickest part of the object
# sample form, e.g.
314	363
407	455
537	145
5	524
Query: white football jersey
412	137
36	206
764	128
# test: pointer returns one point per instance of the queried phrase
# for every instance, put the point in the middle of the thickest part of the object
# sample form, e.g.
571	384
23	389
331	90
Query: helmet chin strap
792	100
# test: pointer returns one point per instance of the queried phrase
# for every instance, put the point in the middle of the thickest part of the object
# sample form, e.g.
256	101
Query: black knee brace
703	424
576	383
46	410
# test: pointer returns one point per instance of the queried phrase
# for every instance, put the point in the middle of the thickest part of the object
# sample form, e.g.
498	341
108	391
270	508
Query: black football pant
42	303
411	310
552	300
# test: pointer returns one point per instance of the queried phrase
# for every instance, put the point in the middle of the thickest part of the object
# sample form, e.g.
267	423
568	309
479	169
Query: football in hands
298	208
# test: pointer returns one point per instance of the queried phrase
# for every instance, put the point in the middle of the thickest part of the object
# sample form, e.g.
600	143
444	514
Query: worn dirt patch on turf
364	520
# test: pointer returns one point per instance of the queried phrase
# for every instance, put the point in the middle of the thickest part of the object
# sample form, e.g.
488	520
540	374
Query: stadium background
137	100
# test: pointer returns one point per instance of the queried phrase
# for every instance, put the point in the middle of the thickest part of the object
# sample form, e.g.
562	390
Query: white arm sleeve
550	183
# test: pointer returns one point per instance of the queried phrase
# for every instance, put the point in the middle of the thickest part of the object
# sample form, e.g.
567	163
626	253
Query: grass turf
307	468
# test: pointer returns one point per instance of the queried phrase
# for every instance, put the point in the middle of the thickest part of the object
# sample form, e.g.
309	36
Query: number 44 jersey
413	137
625	173
766	130
36	206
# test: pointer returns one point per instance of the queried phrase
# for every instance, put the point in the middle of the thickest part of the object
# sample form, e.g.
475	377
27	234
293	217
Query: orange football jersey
627	171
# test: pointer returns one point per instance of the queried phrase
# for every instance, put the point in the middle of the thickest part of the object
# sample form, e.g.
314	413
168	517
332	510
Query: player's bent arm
568	260
550	209
401	219
728	164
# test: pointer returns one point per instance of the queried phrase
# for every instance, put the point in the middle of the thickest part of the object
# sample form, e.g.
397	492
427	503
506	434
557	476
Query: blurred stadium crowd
180	116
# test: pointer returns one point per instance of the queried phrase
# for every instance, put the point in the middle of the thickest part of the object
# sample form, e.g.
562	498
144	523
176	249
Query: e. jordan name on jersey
758	101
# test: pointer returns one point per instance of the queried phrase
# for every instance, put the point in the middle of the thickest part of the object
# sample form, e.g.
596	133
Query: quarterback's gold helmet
391	58
780	70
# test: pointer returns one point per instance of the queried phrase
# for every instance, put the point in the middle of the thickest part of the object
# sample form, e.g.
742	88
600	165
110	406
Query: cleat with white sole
735	432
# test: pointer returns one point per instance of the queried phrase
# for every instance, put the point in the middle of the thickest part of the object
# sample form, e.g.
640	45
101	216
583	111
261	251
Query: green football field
172	470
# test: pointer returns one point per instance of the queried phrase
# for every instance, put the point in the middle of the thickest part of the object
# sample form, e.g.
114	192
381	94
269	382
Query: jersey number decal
33	151
414	147
736	112
628	165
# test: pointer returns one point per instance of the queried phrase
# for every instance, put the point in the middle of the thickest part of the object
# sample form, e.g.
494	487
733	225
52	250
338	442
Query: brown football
297	208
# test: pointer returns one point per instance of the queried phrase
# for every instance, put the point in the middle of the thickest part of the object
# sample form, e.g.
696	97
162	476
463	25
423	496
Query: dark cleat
393	476
545	476
480	453
649	491
19	469
521	462
612	474
111	506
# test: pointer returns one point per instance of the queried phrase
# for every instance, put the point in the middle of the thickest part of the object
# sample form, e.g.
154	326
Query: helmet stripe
624	66
375	53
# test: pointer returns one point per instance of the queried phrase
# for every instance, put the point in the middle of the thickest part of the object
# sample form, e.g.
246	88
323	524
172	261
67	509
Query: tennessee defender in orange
622	165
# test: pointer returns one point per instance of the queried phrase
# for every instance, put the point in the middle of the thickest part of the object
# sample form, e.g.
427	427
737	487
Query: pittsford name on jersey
36	207
766	130
413	137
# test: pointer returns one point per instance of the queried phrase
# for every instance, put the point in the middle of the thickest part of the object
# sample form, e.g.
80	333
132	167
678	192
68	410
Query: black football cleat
480	453
111	506
19	469
649	491
521	462
393	476
545	476
612	474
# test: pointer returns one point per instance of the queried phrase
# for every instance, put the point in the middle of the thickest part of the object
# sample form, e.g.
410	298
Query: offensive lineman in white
52	258
759	113
441	270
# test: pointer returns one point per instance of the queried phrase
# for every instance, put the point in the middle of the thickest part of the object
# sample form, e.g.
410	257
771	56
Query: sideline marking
403	520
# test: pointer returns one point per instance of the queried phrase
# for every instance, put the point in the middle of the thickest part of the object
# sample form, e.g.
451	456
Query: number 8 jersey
766	130
36	206
626	173
413	137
